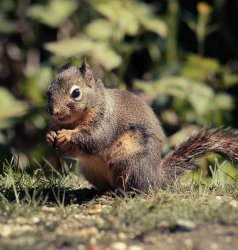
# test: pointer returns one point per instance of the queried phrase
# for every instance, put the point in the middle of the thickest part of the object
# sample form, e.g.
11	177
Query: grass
59	210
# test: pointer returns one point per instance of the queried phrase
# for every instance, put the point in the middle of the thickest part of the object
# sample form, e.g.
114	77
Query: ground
62	211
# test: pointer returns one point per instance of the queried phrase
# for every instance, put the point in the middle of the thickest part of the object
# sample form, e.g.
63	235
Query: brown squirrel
117	136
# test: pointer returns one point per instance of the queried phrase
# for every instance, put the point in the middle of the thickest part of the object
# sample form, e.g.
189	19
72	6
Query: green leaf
192	25
10	107
175	86
119	12
230	79
70	47
148	20
99	51
155	25
108	8
199	68
224	101
54	13
201	98
107	57
130	16
100	29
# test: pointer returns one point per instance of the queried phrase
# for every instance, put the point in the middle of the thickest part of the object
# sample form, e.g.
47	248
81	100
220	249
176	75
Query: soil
204	237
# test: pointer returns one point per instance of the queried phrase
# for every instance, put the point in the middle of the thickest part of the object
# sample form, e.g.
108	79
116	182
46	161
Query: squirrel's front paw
51	138
63	140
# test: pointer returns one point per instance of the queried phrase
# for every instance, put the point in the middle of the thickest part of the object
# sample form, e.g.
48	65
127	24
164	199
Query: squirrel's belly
97	172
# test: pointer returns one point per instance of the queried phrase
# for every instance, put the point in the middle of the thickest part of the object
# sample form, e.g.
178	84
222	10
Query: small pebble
186	224
97	208
88	232
214	246
48	209
118	246
122	236
218	198
6	231
189	243
135	247
35	219
234	203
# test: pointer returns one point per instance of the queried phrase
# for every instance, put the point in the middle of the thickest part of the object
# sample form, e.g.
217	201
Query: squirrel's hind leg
134	164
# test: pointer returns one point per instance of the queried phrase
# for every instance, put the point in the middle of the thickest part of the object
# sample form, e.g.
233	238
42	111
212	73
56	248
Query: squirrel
117	136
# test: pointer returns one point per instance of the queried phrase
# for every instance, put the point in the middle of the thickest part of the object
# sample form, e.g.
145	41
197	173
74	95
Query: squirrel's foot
51	138
63	140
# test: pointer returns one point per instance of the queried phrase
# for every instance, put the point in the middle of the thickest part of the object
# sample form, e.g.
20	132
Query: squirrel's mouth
63	118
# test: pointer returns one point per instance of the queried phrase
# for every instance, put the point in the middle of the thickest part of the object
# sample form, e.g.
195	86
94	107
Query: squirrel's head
73	93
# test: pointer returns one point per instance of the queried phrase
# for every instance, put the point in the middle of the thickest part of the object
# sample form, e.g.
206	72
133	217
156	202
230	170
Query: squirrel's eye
75	93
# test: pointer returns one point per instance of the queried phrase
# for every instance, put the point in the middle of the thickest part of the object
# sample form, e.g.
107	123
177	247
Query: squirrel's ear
84	66
66	65
87	74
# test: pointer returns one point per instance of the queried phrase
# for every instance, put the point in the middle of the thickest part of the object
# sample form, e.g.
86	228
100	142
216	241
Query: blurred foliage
193	101
181	56
53	13
98	38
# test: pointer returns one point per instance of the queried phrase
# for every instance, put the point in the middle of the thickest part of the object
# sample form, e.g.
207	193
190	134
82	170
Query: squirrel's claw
63	141
50	138
63	137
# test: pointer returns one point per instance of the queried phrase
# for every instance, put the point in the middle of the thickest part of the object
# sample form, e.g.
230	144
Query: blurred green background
180	56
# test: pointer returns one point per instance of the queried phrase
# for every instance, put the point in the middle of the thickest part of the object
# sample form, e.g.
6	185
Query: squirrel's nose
54	111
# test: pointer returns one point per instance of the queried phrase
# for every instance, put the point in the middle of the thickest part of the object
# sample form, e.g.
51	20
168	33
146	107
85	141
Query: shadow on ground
57	195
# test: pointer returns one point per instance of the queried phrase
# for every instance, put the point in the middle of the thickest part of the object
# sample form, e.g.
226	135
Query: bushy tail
185	155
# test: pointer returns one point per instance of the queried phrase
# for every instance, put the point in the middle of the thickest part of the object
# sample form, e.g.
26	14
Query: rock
186	225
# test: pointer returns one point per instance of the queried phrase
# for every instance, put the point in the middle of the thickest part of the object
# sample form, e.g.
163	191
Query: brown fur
125	145
117	137
184	157
97	171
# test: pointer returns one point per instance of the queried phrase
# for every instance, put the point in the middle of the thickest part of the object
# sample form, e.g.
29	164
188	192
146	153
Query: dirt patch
205	236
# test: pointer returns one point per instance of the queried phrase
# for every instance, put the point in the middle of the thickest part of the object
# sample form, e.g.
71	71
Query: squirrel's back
130	109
